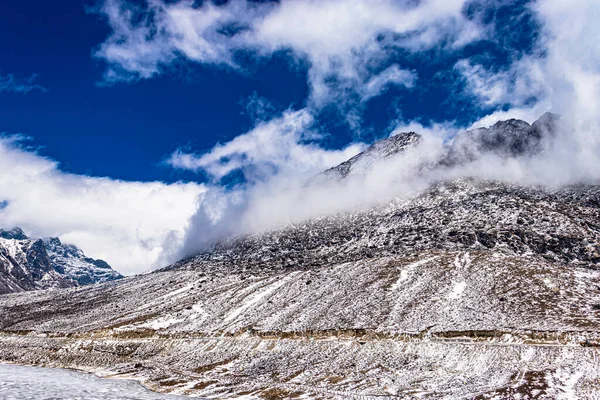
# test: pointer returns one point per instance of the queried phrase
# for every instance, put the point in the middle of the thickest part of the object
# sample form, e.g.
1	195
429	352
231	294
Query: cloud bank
350	48
132	225
561	74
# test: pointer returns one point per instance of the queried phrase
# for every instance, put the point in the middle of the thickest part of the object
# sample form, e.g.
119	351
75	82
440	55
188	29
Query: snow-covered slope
362	162
473	289
76	266
29	264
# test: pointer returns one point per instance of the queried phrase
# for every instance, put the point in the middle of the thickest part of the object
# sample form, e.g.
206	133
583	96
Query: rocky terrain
472	289
511	138
30	264
365	160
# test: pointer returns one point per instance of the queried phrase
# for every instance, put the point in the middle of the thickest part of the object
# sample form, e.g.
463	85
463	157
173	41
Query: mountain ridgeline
506	139
30	264
470	289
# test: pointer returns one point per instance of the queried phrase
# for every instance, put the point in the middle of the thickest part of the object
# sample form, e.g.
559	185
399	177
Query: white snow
457	290
258	297
407	270
567	382
161	323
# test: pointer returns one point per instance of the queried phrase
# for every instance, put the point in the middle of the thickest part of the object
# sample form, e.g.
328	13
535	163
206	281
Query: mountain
362	162
511	138
30	264
71	261
507	139
472	289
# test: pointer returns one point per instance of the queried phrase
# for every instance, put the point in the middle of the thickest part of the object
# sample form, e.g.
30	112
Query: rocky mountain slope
472	289
362	162
511	138
29	264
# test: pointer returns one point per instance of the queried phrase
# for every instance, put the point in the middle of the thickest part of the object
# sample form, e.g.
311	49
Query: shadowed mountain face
29	264
16	233
472	289
506	139
511	138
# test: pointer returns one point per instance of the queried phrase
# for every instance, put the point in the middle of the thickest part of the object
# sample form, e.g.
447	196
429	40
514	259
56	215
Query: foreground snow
30	383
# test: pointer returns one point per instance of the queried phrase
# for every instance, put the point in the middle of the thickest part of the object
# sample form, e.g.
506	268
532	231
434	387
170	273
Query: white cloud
10	83
572	68
145	40
281	146
522	81
132	225
563	74
347	39
572	64
390	76
284	199
346	42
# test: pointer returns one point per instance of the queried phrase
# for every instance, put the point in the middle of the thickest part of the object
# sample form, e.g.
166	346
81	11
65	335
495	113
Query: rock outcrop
30	264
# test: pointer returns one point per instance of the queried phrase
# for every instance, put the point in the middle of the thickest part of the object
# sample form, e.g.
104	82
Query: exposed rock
361	162
79	268
473	289
15	233
28	264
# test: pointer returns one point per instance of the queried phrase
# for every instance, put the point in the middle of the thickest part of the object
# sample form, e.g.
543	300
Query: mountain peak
509	138
14	233
363	161
393	144
52	241
547	123
27	264
512	125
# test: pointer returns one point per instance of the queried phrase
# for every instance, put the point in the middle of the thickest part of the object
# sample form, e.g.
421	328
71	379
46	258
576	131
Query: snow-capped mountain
363	161
510	138
471	289
29	264
74	264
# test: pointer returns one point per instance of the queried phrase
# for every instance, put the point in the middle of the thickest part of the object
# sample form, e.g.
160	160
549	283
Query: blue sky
125	129
132	127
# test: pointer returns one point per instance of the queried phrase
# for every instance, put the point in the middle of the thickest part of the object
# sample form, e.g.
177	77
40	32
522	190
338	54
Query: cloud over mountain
132	225
558	73
352	53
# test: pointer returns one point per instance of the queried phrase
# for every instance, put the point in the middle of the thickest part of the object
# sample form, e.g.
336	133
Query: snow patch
457	290
462	261
407	270
568	381
161	323
258	297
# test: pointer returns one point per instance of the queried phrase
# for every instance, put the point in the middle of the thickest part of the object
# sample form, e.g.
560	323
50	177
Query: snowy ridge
29	264
79	268
363	161
472	289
